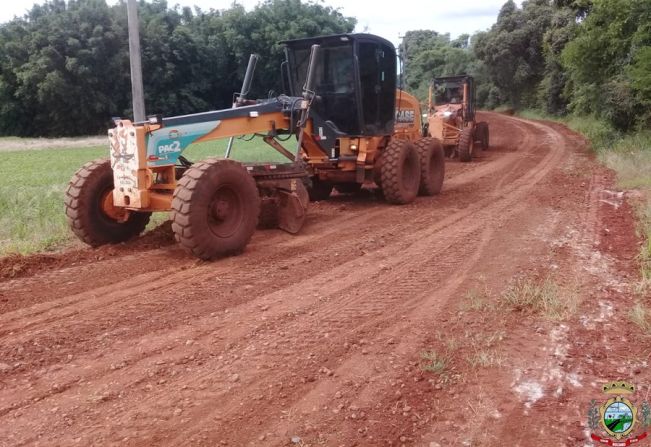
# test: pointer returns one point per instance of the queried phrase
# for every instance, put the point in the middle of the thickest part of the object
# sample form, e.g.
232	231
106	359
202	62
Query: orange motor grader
451	117
342	113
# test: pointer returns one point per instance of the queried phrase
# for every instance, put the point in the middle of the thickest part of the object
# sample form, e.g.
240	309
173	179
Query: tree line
588	57
64	66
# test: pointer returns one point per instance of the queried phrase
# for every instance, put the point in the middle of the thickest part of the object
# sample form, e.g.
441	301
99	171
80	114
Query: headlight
447	114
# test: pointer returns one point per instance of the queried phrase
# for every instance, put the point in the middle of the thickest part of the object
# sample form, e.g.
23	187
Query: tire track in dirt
149	281
350	306
417	303
361	310
302	348
146	284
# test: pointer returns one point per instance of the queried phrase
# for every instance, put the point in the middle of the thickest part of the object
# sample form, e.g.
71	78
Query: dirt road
319	339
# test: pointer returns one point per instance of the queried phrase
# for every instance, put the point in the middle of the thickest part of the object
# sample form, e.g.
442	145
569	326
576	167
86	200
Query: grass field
33	180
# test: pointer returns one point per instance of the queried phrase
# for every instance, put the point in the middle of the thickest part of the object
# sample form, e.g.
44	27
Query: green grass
33	181
478	300
433	362
31	197
484	345
602	136
539	297
251	151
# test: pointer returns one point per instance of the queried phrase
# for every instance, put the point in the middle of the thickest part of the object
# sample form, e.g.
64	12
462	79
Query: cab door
376	63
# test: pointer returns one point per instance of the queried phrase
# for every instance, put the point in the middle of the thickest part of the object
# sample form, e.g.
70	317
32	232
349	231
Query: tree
64	68
607	61
260	32
579	7
427	54
512	50
551	90
62	71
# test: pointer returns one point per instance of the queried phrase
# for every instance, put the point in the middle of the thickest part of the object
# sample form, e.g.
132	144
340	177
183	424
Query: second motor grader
451	117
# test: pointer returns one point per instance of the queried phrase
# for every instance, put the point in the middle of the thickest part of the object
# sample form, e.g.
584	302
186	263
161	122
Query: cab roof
308	41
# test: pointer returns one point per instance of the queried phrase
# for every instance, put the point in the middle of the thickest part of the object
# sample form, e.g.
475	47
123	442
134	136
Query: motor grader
349	125
451	117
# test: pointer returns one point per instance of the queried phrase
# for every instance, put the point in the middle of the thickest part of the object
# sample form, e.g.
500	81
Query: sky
387	19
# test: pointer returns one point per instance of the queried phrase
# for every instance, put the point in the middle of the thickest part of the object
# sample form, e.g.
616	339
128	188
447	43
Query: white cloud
387	19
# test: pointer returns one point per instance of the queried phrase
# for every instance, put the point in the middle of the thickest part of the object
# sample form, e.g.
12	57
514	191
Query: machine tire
400	172
319	190
481	134
348	188
215	208
466	145
85	197
432	166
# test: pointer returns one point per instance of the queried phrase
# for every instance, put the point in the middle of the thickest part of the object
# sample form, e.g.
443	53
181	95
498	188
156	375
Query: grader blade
292	207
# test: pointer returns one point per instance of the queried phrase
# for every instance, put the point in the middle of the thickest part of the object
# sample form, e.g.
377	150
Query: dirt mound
18	266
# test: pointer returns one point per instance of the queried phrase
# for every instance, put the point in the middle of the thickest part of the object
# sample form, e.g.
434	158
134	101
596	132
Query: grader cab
451	117
348	125
361	125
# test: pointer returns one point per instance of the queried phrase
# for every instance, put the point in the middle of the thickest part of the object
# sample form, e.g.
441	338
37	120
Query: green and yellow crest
618	416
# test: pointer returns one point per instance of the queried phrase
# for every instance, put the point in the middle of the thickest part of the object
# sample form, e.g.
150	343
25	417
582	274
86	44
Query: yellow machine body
446	120
143	183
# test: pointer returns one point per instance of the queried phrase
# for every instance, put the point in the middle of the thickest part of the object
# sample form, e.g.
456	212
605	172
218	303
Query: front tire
89	207
400	172
466	145
432	166
215	208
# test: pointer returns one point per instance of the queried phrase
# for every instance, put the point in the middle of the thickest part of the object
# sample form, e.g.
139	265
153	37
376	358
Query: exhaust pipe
248	78
308	88
308	97
241	97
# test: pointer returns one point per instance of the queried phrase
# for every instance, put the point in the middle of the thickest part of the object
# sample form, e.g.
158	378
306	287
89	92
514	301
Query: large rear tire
215	208
466	145
432	166
400	172
89	207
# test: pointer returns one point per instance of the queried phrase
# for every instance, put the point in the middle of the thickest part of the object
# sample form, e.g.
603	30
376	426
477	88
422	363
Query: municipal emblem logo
618	418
